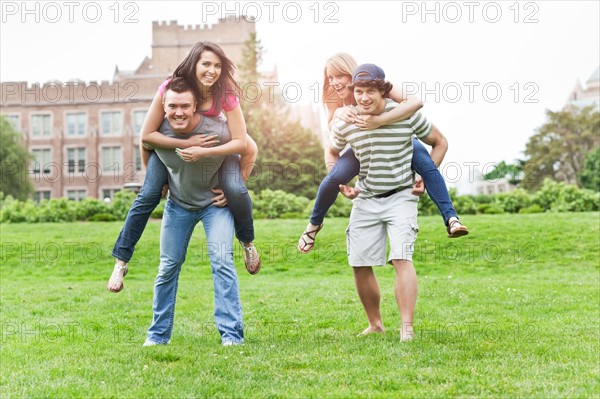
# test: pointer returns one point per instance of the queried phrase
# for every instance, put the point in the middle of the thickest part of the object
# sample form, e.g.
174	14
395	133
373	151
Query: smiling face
370	100
179	109
208	68
339	81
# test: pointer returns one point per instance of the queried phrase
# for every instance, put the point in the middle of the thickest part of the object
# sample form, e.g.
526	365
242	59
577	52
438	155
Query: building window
109	193
111	123
76	195
76	123
76	159
138	120
138	159
41	126
41	195
111	160
14	121
42	160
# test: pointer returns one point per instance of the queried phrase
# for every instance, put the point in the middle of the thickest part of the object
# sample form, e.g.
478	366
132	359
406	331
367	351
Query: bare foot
115	283
406	337
406	332
372	330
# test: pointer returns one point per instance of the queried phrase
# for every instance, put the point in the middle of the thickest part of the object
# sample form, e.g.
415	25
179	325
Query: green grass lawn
512	310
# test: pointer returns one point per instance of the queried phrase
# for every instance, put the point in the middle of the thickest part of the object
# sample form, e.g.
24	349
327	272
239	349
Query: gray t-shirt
190	182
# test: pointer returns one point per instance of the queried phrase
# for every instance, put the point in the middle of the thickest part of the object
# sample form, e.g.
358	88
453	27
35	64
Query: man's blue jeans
149	197
139	213
177	227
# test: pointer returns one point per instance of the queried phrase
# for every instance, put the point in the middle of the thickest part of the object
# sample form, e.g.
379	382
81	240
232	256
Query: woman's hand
368	122
191	154
347	114
202	140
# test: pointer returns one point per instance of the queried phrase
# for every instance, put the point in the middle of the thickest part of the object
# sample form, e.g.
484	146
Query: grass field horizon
511	310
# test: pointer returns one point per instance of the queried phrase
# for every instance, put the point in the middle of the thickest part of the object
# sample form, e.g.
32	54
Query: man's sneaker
231	343
149	342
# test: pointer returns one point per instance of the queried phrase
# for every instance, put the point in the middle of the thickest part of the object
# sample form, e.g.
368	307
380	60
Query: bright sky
486	70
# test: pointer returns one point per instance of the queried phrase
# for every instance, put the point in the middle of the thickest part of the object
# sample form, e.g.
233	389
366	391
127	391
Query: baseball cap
367	72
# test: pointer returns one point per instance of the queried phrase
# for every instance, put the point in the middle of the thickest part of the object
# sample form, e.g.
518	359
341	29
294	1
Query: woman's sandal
117	277
251	258
456	229
305	246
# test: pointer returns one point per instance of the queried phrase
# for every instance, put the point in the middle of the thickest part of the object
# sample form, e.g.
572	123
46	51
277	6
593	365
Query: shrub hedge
551	197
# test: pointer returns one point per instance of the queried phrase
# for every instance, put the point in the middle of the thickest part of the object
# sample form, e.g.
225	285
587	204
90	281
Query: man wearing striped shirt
383	203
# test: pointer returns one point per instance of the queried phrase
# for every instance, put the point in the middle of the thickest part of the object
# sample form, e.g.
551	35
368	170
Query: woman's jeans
238	199
176	230
348	167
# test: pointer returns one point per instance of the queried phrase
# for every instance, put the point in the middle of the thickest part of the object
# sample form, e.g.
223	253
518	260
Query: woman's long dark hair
226	84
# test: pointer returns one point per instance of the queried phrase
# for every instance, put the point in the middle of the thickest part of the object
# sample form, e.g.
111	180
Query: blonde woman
339	103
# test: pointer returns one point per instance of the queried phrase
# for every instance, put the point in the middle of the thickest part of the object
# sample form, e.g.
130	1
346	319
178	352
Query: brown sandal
251	258
456	229
305	246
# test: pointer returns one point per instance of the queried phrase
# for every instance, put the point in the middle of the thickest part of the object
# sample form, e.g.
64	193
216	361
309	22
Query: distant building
490	187
580	97
85	135
589	96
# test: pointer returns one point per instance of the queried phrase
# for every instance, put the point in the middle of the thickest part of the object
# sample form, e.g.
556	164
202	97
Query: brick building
84	136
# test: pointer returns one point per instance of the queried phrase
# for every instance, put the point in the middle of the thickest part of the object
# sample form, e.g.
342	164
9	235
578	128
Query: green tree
251	59
290	157
14	163
557	151
590	177
514	172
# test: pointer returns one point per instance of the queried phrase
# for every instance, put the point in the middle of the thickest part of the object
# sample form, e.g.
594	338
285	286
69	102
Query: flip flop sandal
307	246
117	269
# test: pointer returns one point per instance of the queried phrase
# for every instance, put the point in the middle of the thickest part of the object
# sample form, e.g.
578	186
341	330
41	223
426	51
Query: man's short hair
180	85
372	76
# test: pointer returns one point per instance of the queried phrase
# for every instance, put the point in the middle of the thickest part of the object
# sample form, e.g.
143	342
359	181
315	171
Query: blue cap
367	72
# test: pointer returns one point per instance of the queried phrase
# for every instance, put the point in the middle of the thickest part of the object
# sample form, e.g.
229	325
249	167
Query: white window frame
78	190
34	161
134	127
109	169
16	126
31	125
112	190
77	132
79	163
113	132
41	195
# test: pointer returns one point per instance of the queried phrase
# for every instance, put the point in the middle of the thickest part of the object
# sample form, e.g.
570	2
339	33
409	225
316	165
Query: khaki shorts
374	218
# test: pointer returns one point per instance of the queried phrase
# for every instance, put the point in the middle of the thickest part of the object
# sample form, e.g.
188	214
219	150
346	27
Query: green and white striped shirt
385	153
